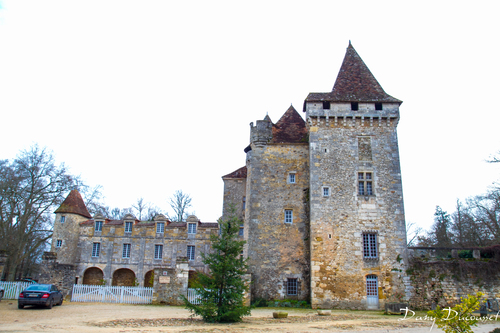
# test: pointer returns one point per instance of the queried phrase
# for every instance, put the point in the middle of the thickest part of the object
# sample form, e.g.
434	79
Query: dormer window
128	226
378	106
326	105
160	227
98	226
191	228
354	106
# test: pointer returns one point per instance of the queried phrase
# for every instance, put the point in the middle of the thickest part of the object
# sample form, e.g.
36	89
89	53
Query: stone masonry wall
61	275
234	194
143	239
342	145
171	283
276	250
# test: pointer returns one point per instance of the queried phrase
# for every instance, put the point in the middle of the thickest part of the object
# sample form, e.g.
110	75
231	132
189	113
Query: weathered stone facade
62	275
125	252
324	216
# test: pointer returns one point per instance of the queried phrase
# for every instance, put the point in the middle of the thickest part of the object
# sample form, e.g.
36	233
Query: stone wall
171	283
61	275
67	232
344	144
441	280
277	250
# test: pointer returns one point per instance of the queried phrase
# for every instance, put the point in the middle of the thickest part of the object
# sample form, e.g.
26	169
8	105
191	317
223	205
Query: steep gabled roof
73	204
291	128
240	173
355	83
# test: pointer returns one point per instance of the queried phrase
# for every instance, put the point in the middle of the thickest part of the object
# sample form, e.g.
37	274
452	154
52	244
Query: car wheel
20	306
60	303
50	304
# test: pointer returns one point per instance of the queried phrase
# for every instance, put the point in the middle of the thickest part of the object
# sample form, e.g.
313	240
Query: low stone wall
442	280
61	275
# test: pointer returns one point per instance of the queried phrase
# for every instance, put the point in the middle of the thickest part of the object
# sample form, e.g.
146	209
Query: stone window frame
292	177
365	183
327	189
190	253
98	226
63	218
127	247
292	286
158	251
370	249
288	219
192	228
59	243
96	249
128	226
160	227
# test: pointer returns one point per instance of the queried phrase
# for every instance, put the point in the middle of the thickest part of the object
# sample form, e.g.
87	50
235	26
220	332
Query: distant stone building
124	252
322	199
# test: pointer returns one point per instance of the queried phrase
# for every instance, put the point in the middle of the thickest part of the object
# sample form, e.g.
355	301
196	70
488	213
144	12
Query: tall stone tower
358	234
66	228
323	201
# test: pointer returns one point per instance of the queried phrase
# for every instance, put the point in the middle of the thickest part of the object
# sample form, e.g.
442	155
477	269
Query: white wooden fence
193	296
13	289
112	294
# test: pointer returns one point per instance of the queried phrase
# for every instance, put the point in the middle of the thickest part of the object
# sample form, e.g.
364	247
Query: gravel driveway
103	317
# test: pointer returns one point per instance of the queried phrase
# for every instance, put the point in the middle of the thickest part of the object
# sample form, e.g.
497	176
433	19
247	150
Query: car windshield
41	287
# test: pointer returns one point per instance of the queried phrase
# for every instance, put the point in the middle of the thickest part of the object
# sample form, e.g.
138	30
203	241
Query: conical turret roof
73	204
355	83
291	128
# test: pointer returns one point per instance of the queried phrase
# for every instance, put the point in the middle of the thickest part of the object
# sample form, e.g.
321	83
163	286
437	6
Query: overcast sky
147	97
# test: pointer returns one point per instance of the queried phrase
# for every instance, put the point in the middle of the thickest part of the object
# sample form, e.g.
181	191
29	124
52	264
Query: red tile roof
291	128
73	204
355	83
240	173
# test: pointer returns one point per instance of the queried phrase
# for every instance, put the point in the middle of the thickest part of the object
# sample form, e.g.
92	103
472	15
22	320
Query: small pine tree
460	318
222	290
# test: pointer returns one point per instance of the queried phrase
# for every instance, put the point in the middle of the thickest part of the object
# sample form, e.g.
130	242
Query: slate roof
291	128
73	204
355	83
240	173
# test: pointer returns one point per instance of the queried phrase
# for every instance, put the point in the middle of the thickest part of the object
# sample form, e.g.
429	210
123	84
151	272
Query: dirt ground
104	317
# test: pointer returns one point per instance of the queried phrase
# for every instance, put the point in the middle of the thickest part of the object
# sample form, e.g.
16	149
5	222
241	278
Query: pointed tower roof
73	204
291	128
355	83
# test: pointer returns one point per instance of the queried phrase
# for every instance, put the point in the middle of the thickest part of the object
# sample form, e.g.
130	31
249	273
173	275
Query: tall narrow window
371	285
370	245
326	191
98	226
96	249
291	287
365	185
126	251
191	228
190	252
242	229
63	219
244	202
59	243
158	251
291	178
128	226
160	227
288	216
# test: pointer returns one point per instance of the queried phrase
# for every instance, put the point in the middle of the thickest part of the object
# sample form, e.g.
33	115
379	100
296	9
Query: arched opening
93	276
123	277
193	278
149	279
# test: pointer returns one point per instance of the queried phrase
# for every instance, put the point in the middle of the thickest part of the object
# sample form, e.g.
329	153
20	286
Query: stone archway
123	277
149	279
93	276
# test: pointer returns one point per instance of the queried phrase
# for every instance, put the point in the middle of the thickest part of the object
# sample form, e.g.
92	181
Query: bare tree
140	206
179	202
413	231
31	187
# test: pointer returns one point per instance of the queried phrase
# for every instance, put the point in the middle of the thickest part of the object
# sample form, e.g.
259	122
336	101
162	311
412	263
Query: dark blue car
40	294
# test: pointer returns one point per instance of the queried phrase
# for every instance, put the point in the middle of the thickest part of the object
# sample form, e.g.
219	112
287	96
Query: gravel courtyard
103	317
